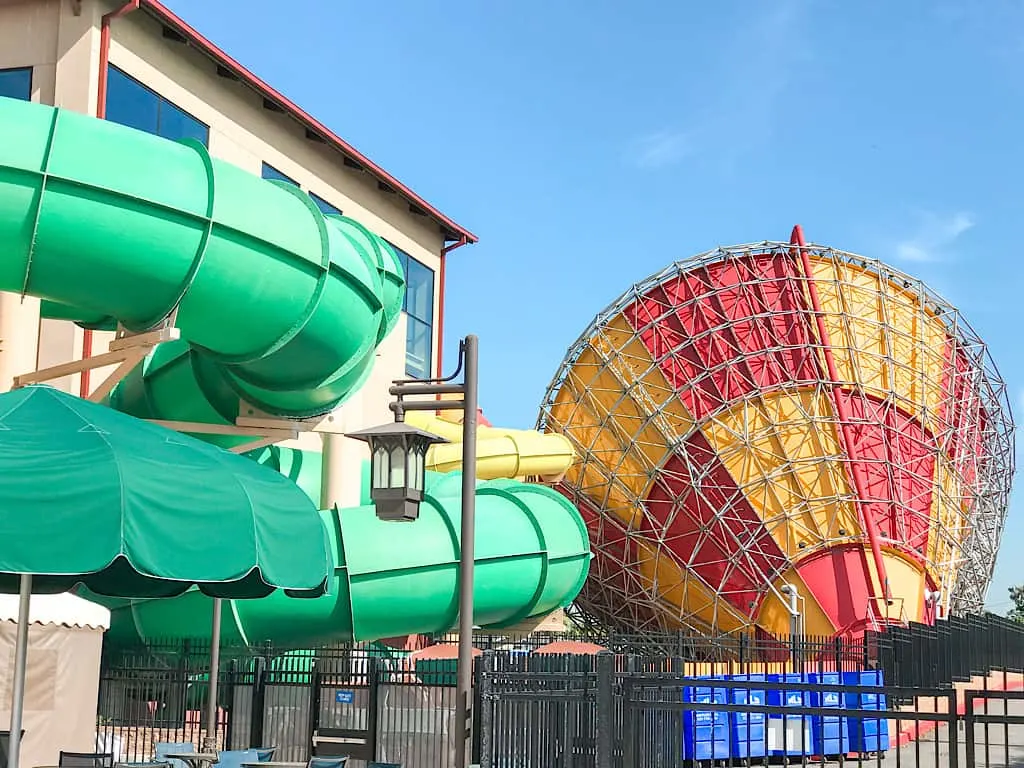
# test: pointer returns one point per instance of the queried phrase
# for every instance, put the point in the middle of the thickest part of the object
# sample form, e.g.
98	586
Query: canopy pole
210	742
20	664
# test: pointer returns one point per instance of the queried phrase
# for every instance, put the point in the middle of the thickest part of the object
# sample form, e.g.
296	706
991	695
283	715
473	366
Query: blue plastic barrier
869	734
705	732
789	734
830	734
748	732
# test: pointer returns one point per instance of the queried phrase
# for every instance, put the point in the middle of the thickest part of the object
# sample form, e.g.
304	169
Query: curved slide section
278	307
532	557
277	304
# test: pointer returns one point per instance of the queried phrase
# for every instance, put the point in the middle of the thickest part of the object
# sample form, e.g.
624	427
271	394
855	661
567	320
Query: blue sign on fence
344	697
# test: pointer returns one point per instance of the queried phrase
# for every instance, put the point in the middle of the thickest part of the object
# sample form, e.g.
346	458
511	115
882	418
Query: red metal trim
101	112
440	317
859	483
166	16
440	301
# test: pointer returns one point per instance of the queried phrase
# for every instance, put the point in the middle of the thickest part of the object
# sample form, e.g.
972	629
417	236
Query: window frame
31	79
412	319
161	100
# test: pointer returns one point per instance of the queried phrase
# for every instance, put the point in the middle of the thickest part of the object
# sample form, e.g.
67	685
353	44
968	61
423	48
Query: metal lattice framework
774	414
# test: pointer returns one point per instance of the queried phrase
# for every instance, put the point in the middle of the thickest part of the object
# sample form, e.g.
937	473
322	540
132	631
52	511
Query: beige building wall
61	689
63	47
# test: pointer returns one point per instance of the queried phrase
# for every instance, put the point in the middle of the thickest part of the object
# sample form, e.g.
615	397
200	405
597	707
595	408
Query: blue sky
591	143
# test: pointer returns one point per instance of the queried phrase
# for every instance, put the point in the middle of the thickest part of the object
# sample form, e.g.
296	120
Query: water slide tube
501	453
532	556
279	307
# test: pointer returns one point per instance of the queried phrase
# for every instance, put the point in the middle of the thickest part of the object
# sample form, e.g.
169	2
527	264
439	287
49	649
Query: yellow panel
621	446
882	337
949	526
773	446
907	581
601	450
630	360
773	616
691	599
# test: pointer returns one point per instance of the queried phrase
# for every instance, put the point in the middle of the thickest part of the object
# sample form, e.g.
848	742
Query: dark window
270	172
16	83
419	311
131	103
324	206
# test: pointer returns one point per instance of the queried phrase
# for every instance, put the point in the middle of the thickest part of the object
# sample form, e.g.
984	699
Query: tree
1017	596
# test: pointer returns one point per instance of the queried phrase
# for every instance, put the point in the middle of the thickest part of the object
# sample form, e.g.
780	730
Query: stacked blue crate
705	732
789	734
747	730
830	734
868	734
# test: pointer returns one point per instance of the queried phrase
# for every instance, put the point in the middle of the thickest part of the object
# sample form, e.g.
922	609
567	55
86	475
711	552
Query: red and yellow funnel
777	417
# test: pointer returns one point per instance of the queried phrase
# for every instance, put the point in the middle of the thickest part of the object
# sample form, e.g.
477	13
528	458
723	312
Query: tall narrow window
16	83
323	205
419	311
131	103
270	172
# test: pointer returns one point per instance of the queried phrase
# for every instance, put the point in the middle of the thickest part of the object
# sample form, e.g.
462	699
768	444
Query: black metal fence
598	712
375	702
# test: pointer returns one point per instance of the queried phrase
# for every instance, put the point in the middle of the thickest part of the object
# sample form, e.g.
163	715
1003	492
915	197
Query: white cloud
741	95
656	150
933	236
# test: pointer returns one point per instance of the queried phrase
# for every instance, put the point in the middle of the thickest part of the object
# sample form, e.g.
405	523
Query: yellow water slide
523	454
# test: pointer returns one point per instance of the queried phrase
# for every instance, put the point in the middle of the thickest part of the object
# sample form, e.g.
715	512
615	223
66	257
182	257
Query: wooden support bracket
126	352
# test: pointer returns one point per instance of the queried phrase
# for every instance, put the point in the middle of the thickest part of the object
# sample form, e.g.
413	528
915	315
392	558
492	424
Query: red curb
916	730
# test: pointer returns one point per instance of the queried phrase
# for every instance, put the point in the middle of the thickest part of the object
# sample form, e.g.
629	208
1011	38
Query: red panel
897	457
728	329
837	580
613	571
704	519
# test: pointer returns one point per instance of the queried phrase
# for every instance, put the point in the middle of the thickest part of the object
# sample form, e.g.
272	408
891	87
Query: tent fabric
131	509
61	689
66	610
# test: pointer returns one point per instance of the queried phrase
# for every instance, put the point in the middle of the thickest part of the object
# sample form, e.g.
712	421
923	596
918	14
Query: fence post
486	729
229	696
605	708
478	673
628	738
314	707
954	747
373	684
259	702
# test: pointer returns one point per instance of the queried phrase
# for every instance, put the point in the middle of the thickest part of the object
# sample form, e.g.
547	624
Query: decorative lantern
398	456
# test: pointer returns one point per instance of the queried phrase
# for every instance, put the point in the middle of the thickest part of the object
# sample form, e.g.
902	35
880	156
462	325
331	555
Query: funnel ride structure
235	298
783	435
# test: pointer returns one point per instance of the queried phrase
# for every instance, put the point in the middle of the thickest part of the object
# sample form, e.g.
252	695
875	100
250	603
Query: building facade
140	65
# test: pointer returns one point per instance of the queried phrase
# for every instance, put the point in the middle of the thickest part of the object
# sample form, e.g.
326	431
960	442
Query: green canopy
91	496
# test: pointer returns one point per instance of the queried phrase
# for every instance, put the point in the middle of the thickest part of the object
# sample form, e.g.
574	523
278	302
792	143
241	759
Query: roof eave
315	130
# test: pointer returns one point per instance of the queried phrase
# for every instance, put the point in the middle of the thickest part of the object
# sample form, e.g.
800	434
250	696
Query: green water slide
394	579
279	307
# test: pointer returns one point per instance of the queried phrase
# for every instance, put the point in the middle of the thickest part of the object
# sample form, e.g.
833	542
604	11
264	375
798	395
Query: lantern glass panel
398	457
416	468
381	466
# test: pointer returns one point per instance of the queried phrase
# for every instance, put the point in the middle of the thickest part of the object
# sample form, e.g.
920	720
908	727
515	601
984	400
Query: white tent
62	680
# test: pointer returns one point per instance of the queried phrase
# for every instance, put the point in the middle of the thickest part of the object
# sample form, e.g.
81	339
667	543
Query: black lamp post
398	458
398	468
